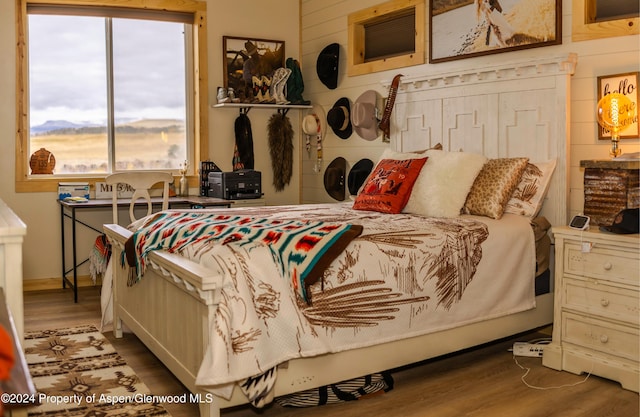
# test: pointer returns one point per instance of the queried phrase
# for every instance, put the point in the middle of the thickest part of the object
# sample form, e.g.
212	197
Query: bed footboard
169	310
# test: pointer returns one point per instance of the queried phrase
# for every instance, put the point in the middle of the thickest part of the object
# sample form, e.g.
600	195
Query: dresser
12	233
596	306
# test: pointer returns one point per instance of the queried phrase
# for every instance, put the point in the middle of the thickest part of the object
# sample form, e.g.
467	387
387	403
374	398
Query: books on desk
76	200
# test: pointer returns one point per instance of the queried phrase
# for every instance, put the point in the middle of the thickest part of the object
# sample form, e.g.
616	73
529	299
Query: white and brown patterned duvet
403	276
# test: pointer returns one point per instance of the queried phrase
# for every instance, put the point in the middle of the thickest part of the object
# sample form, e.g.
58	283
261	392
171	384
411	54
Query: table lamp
615	112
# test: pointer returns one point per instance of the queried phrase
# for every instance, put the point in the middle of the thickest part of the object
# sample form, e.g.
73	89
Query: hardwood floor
483	382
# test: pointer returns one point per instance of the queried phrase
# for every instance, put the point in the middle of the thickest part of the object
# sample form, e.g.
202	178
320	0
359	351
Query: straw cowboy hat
358	175
314	123
363	115
334	177
339	118
327	65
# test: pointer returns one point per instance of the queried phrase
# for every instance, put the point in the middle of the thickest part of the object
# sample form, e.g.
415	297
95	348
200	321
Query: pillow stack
437	183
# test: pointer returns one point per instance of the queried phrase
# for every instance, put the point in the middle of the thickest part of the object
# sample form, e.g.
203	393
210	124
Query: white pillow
391	154
528	197
444	182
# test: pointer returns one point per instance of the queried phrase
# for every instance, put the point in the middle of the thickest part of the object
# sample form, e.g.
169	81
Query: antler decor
385	124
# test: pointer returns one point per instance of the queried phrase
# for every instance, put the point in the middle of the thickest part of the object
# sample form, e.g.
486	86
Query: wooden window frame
357	21
26	183
583	29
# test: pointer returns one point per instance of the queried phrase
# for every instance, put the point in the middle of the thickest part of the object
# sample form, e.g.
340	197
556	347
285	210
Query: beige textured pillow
528	197
494	185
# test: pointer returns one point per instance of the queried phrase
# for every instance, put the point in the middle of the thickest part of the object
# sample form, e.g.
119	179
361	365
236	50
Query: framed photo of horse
246	58
467	28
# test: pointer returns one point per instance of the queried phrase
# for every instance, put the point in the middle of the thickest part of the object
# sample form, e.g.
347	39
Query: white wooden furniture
597	309
12	233
141	182
515	109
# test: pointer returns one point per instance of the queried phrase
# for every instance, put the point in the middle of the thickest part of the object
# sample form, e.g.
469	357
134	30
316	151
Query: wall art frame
625	83
462	29
238	50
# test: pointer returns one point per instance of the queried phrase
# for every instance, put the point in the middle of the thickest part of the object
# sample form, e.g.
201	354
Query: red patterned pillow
389	185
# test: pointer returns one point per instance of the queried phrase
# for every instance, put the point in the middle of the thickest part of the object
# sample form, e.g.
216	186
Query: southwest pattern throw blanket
301	249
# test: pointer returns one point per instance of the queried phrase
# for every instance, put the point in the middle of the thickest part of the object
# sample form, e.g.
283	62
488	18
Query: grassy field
143	145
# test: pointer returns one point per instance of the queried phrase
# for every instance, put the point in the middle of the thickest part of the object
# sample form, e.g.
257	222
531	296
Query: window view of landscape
72	87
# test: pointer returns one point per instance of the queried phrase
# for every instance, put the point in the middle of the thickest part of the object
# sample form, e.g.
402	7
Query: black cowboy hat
334	178
327	65
244	143
626	222
339	118
358	175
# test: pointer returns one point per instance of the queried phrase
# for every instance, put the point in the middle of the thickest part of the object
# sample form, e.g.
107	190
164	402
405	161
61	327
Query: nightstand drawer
602	263
602	300
600	335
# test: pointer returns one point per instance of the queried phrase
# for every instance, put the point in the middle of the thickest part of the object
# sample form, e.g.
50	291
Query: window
390	37
110	89
615	9
386	36
594	19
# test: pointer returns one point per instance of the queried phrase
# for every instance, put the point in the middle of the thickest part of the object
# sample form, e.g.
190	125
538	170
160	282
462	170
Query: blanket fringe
99	257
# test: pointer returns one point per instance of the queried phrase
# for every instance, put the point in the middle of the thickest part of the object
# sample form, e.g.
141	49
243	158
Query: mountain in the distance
50	125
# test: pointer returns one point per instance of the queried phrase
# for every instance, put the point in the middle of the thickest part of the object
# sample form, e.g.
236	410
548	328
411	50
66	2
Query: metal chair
141	182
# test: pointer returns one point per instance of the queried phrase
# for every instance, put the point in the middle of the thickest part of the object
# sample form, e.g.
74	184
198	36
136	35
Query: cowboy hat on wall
334	176
339	118
327	65
314	124
363	115
358	175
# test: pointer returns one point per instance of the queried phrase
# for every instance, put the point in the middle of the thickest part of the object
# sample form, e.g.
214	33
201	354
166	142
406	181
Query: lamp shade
615	112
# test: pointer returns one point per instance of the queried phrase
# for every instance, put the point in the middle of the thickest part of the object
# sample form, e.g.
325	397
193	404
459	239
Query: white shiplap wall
325	21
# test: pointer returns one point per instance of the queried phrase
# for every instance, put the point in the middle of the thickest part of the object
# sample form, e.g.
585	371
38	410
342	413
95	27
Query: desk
68	210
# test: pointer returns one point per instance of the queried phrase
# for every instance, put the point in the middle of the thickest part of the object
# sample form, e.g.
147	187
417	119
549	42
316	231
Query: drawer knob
604	302
607	266
604	338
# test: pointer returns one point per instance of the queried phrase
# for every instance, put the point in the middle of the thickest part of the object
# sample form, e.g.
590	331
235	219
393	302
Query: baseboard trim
54	283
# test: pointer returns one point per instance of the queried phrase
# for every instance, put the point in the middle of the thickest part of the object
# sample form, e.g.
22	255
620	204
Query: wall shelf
245	107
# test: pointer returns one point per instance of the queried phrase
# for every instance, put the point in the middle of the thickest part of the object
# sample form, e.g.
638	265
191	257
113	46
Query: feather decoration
281	149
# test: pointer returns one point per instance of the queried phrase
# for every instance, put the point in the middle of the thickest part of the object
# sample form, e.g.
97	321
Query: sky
68	69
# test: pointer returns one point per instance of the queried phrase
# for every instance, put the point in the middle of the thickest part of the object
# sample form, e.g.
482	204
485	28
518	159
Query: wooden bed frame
517	109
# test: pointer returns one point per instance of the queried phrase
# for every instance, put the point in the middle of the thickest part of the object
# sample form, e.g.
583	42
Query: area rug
78	373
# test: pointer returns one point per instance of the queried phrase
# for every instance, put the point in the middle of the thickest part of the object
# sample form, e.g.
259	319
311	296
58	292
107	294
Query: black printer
235	185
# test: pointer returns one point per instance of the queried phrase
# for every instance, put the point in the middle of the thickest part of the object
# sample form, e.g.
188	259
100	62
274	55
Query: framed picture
626	84
467	28
247	57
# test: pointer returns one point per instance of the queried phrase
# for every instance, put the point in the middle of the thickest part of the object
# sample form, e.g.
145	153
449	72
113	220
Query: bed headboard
515	109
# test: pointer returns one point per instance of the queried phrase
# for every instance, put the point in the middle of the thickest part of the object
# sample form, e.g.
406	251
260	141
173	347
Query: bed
181	307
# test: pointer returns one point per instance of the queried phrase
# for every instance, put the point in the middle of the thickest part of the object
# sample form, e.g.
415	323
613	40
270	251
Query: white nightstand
596	307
